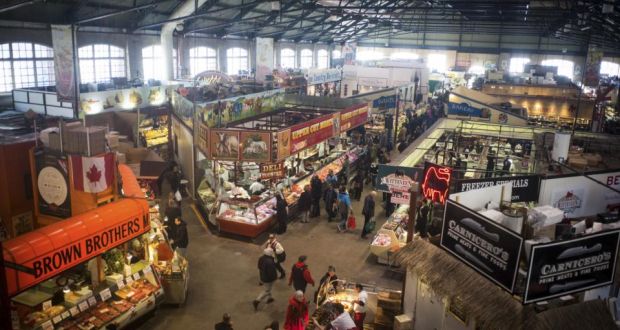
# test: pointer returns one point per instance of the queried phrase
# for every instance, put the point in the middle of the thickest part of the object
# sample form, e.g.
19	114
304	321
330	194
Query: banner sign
64	71
52	185
482	244
264	58
436	182
560	268
321	76
463	109
256	146
593	66
385	102
202	138
307	134
524	188
284	143
224	144
272	171
352	118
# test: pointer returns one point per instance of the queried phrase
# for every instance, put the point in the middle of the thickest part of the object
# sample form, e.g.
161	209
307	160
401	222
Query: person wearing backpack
344	208
369	212
280	254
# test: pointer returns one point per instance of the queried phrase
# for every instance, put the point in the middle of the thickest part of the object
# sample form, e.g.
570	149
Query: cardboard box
403	322
54	140
388	304
577	162
121	158
546	231
135	155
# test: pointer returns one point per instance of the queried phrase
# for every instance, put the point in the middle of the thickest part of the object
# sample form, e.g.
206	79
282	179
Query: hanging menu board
485	246
560	268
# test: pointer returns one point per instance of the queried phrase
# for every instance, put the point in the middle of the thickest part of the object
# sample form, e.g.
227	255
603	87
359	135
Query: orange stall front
88	270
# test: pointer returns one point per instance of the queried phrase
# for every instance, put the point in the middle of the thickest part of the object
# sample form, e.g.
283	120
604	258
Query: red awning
58	247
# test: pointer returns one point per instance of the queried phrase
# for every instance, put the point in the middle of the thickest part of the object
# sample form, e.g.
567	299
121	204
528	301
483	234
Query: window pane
287	58
116	52
368	56
565	67
118	68
101	51
41	51
102	70
336	54
87	71
5	51
404	56
610	68
197	65
85	52
236	60
306	58
437	62
147	51
45	73
24	74
322	59
22	50
517	64
6	76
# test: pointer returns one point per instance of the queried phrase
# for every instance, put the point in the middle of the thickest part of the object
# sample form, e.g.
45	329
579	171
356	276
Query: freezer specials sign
307	134
482	244
560	268
524	188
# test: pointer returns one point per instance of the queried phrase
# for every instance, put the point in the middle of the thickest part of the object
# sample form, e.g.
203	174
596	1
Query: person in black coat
268	275
281	213
368	211
181	238
304	204
329	197
316	189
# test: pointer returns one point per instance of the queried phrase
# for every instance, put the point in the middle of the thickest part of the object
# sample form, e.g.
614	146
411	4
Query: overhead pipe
18	5
120	12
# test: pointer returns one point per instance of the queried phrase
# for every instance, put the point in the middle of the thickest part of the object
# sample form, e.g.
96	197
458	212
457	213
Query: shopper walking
359	306
226	323
280	254
305	202
330	197
297	312
344	208
316	189
332	178
268	274
368	210
181	238
300	275
421	223
281	213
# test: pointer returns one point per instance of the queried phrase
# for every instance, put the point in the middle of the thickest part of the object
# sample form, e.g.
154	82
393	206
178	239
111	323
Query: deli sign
272	171
352	118
307	134
560	268
487	247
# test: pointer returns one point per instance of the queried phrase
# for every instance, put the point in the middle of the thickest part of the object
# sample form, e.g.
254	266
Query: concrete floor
224	274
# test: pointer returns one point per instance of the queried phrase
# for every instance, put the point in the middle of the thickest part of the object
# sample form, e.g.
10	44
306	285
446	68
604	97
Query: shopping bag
177	196
370	225
351	222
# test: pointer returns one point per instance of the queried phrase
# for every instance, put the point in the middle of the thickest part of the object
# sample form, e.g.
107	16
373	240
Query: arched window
305	59
437	62
336	53
101	63
565	67
153	61
202	59
517	64
287	58
236	60
322	59
368	55
610	68
404	56
24	64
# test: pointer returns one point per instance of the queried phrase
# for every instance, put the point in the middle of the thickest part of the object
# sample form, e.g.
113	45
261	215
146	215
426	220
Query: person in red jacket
297	312
300	275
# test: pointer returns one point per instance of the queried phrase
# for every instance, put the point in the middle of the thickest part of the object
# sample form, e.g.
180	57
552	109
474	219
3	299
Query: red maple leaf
93	174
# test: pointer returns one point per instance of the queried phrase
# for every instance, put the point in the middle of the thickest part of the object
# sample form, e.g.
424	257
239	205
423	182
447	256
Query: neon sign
436	182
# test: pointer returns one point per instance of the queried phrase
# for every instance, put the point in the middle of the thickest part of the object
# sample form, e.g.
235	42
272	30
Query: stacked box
388	307
77	140
54	140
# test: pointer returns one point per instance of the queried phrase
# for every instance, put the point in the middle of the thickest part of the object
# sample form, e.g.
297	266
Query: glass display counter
392	236
246	217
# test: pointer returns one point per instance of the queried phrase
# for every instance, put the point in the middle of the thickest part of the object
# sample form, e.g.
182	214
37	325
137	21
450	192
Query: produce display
155	137
382	239
247	213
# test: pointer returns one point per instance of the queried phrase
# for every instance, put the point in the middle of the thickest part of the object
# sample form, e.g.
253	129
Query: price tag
74	311
65	314
147	270
105	294
47	325
120	284
83	305
92	301
136	276
46	305
129	280
57	319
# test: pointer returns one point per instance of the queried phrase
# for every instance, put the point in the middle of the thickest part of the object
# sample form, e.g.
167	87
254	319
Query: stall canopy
48	251
449	278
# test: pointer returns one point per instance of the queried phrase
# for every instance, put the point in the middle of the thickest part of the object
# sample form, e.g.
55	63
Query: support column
167	32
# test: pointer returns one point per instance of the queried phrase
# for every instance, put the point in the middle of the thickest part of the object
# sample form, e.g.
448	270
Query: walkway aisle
224	275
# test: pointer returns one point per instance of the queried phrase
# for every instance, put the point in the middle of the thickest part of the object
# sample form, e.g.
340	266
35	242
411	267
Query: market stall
323	82
92	270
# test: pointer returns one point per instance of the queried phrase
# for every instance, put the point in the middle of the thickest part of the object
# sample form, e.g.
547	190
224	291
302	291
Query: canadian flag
93	174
